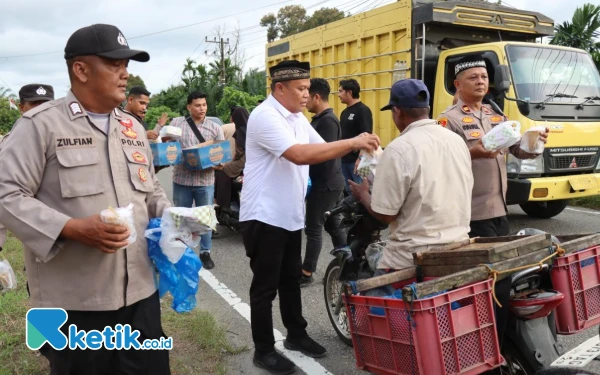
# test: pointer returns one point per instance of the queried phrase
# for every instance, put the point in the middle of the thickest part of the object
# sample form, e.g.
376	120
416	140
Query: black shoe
206	261
306	280
274	362
215	233
306	346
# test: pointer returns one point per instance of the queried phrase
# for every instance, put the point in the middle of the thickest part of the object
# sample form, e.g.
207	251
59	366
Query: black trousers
275	260
317	203
496	227
222	189
143	316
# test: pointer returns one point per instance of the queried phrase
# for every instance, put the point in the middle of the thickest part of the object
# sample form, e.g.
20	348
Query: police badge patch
143	174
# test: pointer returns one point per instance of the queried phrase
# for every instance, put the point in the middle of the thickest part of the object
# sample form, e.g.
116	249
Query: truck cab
533	83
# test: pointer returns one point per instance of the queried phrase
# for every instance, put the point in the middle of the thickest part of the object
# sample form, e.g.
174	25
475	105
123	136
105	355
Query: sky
33	33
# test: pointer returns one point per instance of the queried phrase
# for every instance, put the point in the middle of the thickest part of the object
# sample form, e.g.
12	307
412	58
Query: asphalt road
233	271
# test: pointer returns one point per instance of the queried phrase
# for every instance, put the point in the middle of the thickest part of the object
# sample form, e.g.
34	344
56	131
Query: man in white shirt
280	144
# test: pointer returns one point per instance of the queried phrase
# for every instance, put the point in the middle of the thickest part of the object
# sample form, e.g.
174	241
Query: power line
163	31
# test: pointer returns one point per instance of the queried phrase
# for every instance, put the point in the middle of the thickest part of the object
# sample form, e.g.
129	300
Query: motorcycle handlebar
345	206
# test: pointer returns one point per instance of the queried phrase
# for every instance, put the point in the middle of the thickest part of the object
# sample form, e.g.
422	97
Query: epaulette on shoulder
41	108
448	109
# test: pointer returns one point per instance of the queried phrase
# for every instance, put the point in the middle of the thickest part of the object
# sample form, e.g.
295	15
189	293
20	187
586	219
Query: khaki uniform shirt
425	177
57	165
489	191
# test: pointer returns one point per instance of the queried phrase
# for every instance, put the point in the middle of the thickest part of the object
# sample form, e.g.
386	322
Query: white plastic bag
8	280
172	132
121	216
531	141
182	227
368	164
502	136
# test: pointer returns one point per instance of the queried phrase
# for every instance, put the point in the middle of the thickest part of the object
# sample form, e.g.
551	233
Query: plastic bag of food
368	164
198	220
121	216
502	136
531	141
172	132
8	280
181	278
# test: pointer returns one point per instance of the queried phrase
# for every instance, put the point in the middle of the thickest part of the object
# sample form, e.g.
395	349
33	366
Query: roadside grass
200	345
587	202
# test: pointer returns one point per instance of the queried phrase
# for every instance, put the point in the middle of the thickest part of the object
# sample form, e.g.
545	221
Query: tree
175	98
255	83
323	16
154	114
8	116
233	97
581	32
292	19
270	22
134	81
231	71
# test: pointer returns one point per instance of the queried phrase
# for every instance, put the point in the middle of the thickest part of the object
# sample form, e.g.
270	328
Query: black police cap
104	41
35	92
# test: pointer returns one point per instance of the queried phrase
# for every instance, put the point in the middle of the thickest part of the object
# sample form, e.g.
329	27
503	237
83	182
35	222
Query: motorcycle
362	229
530	341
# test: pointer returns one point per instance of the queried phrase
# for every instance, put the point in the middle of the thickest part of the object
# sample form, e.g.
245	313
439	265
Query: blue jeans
348	173
185	196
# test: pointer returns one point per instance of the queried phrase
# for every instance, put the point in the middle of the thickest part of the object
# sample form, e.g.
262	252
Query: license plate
581	355
583	182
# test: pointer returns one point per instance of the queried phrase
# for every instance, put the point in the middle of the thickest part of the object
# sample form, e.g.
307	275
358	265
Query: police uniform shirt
489	190
57	165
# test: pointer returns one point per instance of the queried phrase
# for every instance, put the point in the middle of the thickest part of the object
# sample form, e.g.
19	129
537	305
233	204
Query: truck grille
566	162
573	158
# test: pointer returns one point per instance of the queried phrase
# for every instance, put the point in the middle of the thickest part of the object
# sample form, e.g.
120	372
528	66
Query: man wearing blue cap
423	183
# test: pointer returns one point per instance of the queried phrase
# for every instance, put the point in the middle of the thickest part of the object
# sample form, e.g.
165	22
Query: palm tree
231	71
581	32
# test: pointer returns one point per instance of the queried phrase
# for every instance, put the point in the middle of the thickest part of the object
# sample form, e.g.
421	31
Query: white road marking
581	355
584	211
306	364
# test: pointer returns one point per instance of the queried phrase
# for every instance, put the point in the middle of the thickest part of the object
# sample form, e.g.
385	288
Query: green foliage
255	82
581	32
292	19
134	81
233	97
175	98
7	116
154	114
323	16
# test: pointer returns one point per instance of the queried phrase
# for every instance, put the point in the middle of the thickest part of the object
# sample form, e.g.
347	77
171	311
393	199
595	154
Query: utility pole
222	43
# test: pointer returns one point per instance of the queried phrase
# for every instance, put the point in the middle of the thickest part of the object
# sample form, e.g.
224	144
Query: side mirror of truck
502	78
502	82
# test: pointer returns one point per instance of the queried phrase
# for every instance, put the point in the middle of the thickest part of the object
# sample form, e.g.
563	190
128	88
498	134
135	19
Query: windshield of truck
552	74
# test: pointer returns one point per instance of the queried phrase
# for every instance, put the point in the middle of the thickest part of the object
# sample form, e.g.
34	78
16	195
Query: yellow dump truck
536	84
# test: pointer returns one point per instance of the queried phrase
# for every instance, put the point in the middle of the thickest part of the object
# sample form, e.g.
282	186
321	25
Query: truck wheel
544	210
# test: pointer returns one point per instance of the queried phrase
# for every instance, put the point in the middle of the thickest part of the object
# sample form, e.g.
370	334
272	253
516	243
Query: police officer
471	119
64	162
30	96
34	94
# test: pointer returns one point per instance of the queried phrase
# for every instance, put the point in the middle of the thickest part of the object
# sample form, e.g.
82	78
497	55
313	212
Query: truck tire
544	210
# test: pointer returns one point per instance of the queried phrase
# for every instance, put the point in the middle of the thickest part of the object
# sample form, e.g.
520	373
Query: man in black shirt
356	119
327	182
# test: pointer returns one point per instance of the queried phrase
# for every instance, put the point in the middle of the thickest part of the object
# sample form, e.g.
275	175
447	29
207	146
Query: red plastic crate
577	276
441	340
